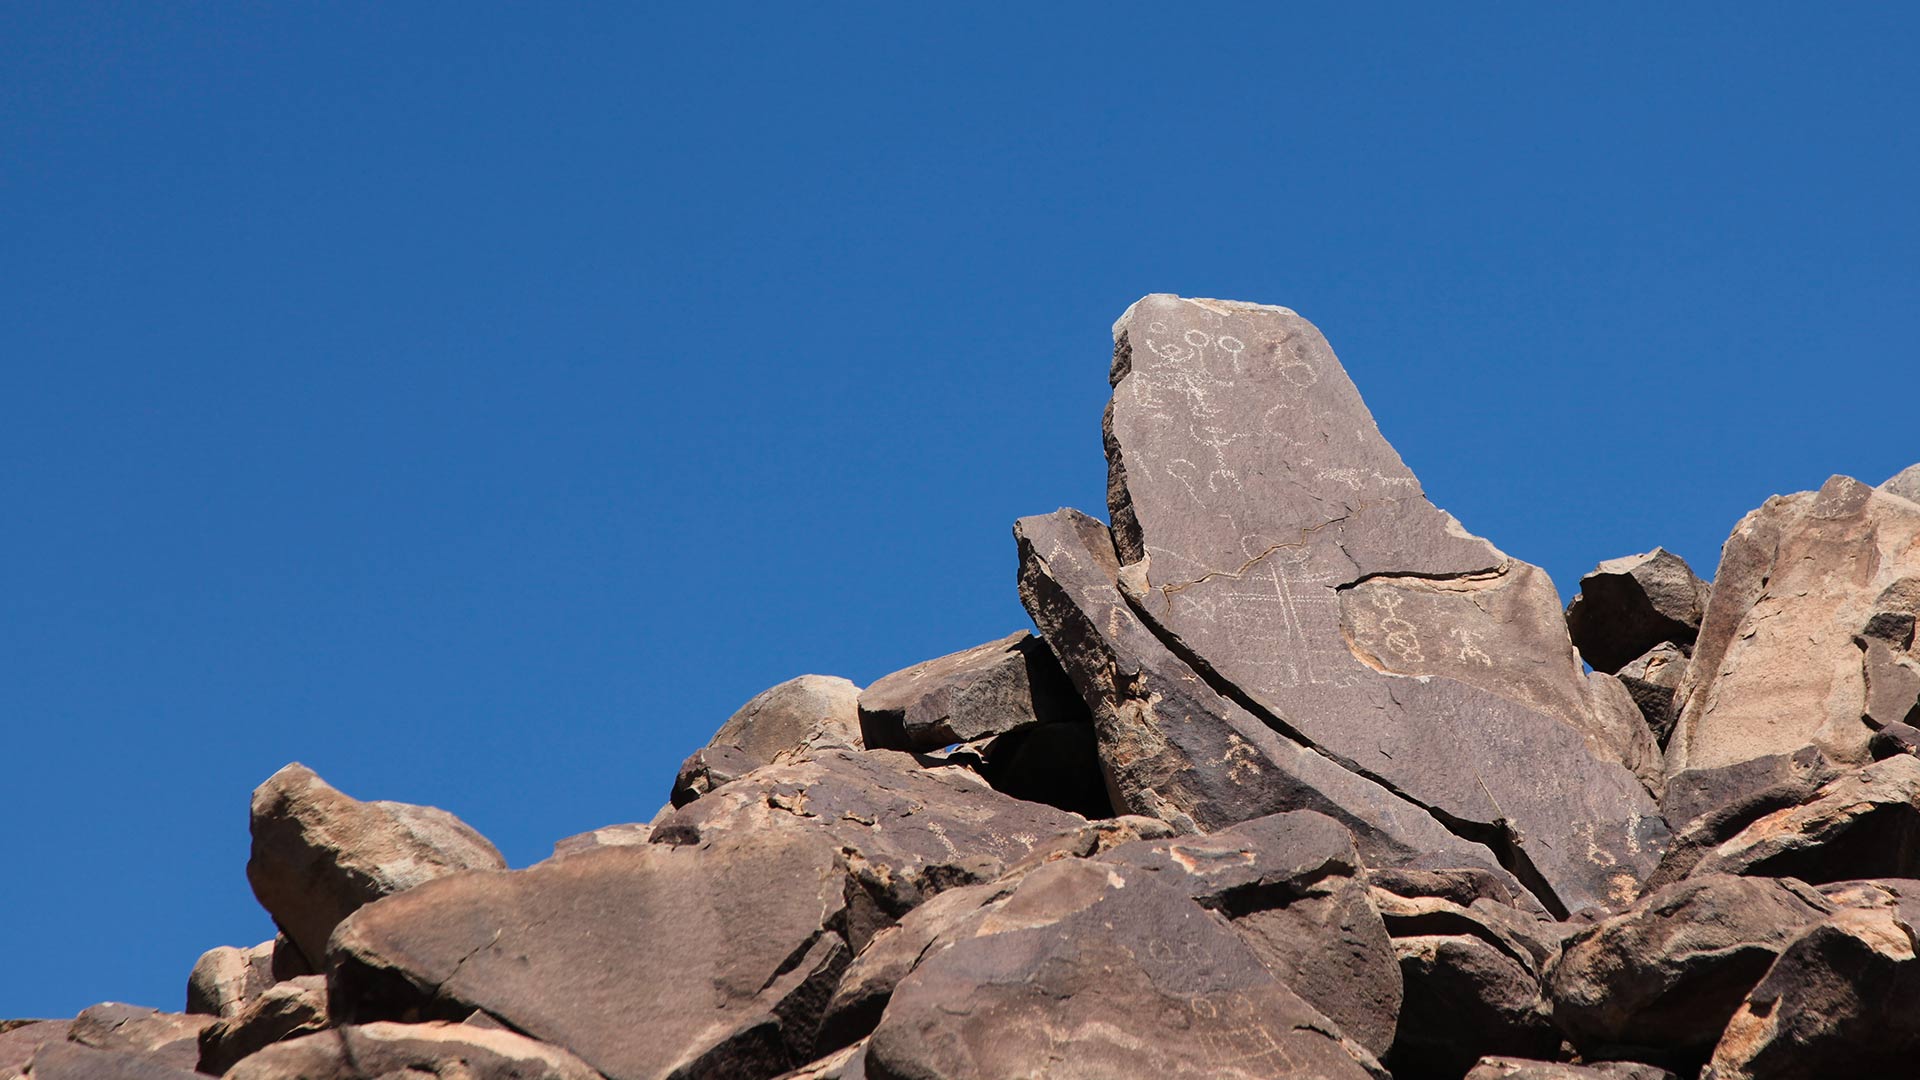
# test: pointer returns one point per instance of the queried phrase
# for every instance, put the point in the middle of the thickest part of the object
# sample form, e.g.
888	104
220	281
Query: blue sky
478	403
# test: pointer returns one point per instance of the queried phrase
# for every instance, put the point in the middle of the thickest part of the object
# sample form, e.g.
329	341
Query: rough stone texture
1510	1068
224	979
1894	739
1630	605
1865	824
991	689
21	1039
870	980
1465	999
1840	1001
1289	885
1172	747
784	723
385	1051
1652	679
1775	667
318	854
707	960
1905	483
1277	539
906	832
848	1063
72	1061
1089	971
1661	979
1892	679
1735	796
285	1011
168	1038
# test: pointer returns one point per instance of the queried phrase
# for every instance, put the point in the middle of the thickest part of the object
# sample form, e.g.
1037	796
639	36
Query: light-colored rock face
224	979
1273	535
1776	666
386	1051
318	855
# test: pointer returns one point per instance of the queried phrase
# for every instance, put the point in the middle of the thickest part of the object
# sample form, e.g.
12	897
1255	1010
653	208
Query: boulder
21	1039
1865	824
386	1051
1894	739
1087	970
1175	749
1290	886
1711	806
318	854
991	689
780	724
1510	1068
1776	667
73	1061
1840	1001
906	832
1892	682
1277	542
1659	981
168	1038
848	1063
224	979
287	1010
698	960
1627	606
1652	679
1905	484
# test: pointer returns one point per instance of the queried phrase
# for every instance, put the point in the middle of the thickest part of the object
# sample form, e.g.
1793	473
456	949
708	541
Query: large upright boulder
1777	666
1275	540
319	855
1629	605
782	723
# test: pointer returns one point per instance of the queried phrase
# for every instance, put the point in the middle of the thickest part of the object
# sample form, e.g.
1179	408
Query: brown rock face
166	1038
1865	824
394	1051
1089	970
1511	1068
1662	979
992	689
784	723
1776	666
1275	539
1175	749
318	855
286	1010
224	979
649	961
1628	606
73	1061
1652	679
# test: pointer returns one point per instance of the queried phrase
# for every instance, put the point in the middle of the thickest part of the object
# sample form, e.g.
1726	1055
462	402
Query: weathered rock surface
1775	667
1627	606
991	689
705	959
1277	540
1661	980
1173	748
1652	679
849	1063
386	1051
20	1040
167	1038
1865	824
224	979
318	854
1905	483
1839	1001
286	1010
1092	970
73	1061
1734	797
1511	1068
783	723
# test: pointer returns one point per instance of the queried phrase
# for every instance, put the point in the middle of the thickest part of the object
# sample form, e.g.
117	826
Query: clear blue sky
479	403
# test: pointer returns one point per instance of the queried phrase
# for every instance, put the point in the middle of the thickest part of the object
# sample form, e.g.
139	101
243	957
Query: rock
781	724
1894	739
1840	1001
1057	763
1712	806
1627	606
1905	484
1509	1068
707	959
1660	981
318	855
1054	977
386	1051
1173	748
1775	667
1289	885
1651	679
1279	543
1619	731
167	1038
1460	886
990	689
1892	679
906	832
849	1063
1865	824
224	979
72	1061
288	1010
21	1039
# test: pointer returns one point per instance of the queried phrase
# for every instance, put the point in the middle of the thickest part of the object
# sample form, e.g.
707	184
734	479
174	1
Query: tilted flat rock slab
1277	539
1173	748
991	689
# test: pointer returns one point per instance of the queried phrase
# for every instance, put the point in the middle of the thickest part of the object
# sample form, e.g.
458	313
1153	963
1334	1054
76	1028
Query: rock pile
1299	779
